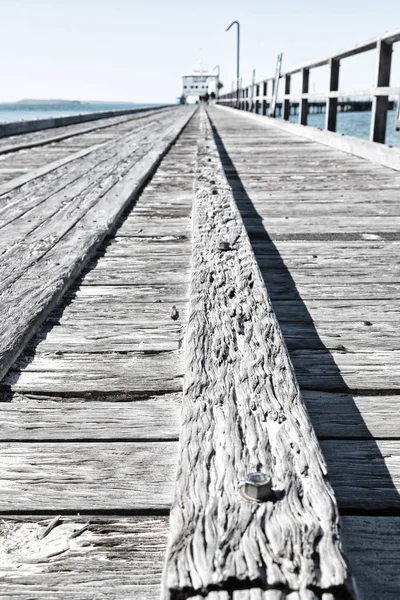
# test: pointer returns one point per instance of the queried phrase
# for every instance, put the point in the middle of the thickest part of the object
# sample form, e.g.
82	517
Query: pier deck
91	408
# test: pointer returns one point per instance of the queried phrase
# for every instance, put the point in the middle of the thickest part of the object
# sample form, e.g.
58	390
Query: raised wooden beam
331	103
380	103
243	414
303	110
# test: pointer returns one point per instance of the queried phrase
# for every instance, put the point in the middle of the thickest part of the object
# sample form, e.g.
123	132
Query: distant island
54	101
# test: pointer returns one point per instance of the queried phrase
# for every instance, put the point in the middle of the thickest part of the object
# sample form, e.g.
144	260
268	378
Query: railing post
380	104
286	102
305	81
253	85
264	102
257	103
331	103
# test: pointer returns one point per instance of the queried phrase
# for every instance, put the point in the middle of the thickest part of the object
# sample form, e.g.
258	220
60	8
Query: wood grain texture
348	416
137	373
372	544
82	476
113	558
49	136
28	301
242	412
122	558
58	419
365	474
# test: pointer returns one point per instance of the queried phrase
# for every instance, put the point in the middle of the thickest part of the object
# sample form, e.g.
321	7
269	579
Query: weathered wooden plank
344	371
129	294
126	276
154	228
27	419
137	373
332	224
100	169
147	247
49	136
82	476
118	307
28	301
349	416
352	337
242	413
356	310
373	547
112	558
281	287
52	160
365	474
109	336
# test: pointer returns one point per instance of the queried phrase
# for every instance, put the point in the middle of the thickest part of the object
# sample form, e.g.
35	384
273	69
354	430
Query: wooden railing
258	96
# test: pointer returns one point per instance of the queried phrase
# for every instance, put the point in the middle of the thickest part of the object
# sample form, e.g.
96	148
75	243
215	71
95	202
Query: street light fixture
237	58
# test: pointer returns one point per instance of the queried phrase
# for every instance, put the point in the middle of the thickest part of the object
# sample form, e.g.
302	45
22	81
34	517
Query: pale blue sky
135	51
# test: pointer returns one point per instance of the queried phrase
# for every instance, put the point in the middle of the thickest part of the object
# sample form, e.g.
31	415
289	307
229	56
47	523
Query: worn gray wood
361	372
87	476
35	419
44	198
365	474
113	558
123	558
27	302
242	412
344	415
137	373
372	544
147	294
378	153
361	336
49	136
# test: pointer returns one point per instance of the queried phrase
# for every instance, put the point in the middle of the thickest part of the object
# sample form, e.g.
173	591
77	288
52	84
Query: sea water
27	112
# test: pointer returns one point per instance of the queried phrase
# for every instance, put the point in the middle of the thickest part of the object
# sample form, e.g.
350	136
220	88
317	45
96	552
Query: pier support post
305	81
331	103
264	102
380	104
286	102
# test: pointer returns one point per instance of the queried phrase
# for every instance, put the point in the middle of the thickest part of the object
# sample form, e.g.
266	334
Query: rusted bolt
258	487
223	245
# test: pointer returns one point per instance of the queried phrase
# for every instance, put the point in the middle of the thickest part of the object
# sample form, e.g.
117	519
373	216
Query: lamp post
217	86
237	58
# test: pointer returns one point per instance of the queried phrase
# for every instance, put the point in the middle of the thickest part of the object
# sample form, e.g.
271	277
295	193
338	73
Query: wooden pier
189	296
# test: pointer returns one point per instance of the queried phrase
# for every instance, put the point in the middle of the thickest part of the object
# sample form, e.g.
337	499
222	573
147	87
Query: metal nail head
222	245
258	487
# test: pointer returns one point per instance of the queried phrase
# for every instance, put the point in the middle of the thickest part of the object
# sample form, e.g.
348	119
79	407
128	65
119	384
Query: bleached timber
242	413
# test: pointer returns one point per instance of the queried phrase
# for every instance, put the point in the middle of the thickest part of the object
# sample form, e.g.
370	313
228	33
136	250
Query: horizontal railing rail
258	97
